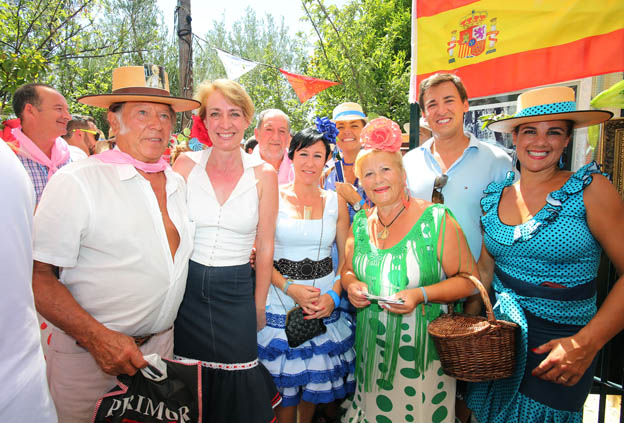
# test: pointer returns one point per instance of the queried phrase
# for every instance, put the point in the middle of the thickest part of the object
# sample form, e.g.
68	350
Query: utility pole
185	49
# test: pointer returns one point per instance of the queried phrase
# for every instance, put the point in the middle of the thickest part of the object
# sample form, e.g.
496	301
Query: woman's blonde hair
397	158
231	90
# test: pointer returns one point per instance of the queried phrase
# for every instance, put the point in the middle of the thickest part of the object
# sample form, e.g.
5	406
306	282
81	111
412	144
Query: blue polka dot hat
550	103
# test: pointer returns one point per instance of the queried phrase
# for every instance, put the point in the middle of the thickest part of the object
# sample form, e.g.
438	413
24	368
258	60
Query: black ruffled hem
239	396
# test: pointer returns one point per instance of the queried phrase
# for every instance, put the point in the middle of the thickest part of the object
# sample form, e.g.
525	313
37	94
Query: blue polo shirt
480	164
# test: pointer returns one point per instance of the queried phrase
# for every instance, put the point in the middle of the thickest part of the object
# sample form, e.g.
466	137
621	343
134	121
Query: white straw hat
348	111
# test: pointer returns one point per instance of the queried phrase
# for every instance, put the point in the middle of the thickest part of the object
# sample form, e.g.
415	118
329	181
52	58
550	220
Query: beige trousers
77	382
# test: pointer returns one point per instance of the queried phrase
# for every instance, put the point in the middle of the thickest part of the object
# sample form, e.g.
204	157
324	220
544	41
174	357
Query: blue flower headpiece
327	128
195	145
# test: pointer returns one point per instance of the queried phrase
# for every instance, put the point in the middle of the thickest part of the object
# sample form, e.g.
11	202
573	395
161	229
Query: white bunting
235	67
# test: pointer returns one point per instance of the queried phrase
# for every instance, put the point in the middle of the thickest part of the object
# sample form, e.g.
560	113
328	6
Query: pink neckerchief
60	152
119	157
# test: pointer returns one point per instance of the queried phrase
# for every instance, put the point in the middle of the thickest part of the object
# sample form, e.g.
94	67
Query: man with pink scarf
44	114
116	227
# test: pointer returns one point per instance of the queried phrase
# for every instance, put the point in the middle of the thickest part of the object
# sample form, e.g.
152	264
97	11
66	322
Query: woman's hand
252	258
326	303
356	291
348	192
308	297
260	317
411	298
567	361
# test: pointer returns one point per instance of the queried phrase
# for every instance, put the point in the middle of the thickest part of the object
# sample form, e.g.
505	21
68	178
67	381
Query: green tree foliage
366	46
74	45
130	32
36	36
261	40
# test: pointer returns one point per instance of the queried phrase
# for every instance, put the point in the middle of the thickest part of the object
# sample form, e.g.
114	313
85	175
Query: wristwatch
358	206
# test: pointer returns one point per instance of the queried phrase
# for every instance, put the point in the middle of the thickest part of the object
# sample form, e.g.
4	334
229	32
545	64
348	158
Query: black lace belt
305	269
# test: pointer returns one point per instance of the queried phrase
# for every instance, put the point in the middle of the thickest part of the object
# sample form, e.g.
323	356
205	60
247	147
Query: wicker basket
473	348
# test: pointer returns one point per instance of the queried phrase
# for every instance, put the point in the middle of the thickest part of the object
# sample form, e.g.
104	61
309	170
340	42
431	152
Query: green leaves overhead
365	45
74	45
261	40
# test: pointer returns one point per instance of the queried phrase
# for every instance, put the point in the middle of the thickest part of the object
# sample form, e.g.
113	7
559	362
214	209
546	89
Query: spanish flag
497	46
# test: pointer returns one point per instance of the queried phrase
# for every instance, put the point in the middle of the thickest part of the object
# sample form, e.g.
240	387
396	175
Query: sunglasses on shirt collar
439	182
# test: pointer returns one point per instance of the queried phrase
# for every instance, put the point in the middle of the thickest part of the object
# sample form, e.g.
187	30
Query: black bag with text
168	392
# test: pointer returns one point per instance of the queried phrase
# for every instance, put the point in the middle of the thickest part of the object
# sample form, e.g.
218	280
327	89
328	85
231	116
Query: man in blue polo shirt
453	166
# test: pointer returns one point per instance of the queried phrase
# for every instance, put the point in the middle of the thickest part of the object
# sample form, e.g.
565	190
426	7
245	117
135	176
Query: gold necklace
306	210
385	232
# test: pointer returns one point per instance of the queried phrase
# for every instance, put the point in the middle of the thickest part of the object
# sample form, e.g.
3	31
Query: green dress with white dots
398	373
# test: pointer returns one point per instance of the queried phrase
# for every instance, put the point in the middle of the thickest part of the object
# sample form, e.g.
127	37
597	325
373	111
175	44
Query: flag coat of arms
497	46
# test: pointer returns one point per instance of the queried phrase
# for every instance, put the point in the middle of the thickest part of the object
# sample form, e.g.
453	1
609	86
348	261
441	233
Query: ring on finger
562	379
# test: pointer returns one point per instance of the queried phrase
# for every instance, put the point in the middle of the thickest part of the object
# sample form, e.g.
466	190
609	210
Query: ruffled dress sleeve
507	235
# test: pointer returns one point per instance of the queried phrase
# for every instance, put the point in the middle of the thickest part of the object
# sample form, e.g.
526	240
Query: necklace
385	232
344	163
304	211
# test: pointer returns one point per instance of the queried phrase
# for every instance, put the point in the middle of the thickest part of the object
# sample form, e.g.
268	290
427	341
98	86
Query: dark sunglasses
95	134
439	183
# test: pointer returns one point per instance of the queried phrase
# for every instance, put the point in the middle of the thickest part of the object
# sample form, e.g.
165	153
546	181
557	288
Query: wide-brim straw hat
550	103
147	83
349	111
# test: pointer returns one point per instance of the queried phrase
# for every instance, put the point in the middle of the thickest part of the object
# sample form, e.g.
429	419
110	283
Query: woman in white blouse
232	199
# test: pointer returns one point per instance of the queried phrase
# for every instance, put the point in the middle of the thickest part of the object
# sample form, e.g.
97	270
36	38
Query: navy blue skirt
216	324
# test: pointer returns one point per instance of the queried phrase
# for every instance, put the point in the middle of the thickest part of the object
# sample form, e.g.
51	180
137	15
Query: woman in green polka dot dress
402	248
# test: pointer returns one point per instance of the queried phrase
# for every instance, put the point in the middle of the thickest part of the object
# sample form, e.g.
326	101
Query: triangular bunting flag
235	67
305	86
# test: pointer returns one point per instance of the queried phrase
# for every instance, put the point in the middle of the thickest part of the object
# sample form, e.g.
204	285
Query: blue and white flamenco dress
322	369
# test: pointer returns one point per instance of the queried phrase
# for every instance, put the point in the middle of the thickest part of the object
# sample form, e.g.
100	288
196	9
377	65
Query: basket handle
484	296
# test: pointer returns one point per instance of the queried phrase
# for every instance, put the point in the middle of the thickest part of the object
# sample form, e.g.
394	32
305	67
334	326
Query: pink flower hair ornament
382	134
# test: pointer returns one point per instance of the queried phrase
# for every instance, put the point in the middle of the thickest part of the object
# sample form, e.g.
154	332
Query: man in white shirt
117	227
24	394
273	135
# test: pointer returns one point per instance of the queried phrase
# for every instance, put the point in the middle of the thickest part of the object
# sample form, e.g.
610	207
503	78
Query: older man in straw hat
116	226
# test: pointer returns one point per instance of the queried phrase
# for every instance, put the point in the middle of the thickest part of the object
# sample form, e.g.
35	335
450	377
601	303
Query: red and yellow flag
498	46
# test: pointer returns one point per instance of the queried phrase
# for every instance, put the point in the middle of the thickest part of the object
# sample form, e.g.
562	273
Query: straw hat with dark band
148	83
551	103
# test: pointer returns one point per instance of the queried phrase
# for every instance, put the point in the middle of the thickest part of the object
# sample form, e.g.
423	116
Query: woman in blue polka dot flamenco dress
402	249
542	244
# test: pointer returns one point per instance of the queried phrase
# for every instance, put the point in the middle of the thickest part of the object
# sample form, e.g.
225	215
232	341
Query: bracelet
335	297
425	298
286	285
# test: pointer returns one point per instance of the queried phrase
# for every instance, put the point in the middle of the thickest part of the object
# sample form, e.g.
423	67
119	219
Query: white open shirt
101	224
